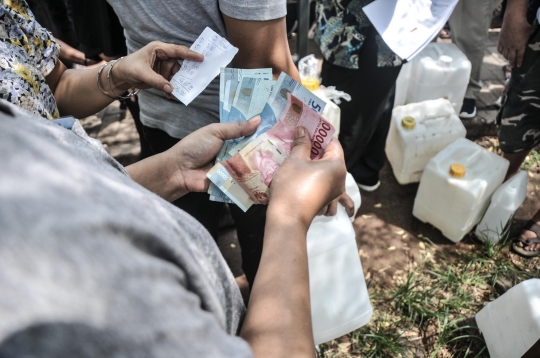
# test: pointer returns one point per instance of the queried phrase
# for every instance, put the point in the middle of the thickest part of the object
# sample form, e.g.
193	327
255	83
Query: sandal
531	226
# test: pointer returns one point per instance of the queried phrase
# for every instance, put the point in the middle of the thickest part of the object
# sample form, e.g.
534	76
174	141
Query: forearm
77	93
278	322
261	44
160	175
68	53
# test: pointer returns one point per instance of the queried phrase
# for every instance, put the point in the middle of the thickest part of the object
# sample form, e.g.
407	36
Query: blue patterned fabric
341	30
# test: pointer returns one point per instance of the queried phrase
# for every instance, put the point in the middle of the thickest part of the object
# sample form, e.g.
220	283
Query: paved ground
387	233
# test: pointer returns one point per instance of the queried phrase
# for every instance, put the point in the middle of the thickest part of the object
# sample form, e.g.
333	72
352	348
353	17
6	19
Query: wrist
116	77
280	213
174	174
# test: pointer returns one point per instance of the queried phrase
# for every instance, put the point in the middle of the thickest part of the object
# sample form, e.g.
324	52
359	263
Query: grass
428	309
531	162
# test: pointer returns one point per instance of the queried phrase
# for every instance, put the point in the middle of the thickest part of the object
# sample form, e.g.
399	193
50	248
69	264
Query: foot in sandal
528	243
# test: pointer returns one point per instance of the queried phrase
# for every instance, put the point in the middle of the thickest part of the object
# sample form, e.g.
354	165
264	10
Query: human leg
470	26
250	232
373	160
519	132
363	123
515	159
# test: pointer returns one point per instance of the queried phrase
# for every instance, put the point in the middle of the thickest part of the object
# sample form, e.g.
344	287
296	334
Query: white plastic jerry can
440	70
504	203
418	131
339	296
511	323
456	187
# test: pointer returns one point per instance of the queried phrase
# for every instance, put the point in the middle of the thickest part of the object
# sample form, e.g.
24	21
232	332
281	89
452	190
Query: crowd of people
101	260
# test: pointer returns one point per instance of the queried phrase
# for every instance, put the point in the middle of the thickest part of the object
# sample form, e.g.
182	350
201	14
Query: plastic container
456	187
440	70
511	323
402	84
418	131
308	67
339	296
331	112
504	203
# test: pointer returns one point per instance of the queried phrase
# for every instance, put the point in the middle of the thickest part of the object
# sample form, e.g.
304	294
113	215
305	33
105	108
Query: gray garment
181	22
469	25
94	265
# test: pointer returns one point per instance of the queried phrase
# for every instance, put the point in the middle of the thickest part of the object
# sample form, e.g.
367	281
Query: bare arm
261	44
70	54
278	321
515	32
76	91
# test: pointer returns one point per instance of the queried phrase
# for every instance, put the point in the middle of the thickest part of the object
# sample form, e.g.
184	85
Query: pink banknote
298	114
253	167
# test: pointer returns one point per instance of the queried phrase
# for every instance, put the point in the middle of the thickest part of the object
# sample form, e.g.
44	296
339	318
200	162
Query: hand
513	38
152	66
302	187
88	62
331	209
195	154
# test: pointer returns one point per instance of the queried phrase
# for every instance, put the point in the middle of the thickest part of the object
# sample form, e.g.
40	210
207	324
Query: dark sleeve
97	26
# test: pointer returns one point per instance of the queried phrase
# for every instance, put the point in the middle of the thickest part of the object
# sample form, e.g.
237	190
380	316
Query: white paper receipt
193	77
411	25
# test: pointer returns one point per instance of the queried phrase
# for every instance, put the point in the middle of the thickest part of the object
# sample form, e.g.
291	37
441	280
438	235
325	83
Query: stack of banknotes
245	166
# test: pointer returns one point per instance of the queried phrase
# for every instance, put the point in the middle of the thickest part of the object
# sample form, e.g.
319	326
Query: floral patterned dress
28	53
341	31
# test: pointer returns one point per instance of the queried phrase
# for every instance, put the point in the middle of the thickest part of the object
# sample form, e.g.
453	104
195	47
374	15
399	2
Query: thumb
302	144
236	129
156	81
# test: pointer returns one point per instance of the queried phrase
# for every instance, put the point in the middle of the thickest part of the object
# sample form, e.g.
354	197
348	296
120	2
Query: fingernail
299	132
167	88
254	119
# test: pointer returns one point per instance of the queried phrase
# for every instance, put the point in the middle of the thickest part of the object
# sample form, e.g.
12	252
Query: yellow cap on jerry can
408	122
457	170
311	84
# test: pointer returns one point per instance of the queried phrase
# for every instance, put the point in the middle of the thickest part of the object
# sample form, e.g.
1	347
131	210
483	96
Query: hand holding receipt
194	77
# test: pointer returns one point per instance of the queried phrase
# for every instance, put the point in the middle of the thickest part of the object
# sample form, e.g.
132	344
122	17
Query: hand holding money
246	175
306	183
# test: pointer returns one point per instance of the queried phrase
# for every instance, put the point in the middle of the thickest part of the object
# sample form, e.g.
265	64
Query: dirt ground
385	222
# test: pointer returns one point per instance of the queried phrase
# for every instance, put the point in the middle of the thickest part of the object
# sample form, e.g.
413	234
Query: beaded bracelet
130	94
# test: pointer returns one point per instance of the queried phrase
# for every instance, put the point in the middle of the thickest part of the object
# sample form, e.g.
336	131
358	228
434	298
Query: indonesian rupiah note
276	105
245	177
228	83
